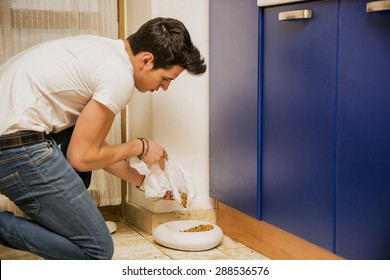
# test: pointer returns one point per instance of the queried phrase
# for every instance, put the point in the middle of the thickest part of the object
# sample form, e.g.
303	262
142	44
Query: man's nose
165	85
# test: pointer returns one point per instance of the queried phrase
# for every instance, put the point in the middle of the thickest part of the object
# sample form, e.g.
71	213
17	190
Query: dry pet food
199	228
183	199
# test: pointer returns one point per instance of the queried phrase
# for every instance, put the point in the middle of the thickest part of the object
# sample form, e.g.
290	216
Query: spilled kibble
183	197
199	228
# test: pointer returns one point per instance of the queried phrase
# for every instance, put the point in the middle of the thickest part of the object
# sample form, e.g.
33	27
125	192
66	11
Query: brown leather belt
20	139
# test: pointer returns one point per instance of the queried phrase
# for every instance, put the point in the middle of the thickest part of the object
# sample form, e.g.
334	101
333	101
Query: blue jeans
65	223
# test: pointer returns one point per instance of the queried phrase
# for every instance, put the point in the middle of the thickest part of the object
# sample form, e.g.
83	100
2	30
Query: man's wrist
141	182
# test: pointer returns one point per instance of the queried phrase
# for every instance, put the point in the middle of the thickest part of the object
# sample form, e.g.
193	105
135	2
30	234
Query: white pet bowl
170	235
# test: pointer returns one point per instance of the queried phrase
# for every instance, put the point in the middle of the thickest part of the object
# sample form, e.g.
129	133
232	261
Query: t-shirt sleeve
114	86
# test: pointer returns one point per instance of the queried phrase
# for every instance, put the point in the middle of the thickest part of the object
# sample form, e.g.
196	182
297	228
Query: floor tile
228	243
11	254
213	254
244	253
142	250
126	238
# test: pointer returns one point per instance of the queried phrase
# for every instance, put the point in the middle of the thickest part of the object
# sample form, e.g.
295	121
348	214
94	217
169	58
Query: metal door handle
378	6
298	14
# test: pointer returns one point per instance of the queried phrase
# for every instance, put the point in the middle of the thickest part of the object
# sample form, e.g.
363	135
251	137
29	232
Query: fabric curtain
25	23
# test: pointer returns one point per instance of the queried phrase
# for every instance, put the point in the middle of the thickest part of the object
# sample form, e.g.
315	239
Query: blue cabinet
233	104
326	126
363	146
298	120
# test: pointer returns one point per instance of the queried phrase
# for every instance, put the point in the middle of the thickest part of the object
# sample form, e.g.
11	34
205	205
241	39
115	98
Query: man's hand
155	154
167	196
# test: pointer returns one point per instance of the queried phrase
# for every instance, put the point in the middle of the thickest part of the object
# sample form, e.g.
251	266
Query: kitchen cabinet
362	226
298	120
233	104
325	125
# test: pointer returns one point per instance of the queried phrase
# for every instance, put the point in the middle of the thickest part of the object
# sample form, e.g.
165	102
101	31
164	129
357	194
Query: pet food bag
173	178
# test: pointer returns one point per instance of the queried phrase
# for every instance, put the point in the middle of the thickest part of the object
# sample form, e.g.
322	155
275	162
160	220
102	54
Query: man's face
149	79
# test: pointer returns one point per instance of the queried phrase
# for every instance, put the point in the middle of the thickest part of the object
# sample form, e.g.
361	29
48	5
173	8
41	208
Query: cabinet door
363	163
233	104
298	121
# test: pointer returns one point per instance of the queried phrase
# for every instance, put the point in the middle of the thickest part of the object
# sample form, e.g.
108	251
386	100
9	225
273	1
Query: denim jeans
65	223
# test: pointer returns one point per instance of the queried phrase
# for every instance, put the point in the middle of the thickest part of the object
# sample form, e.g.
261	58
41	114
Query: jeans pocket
41	152
13	187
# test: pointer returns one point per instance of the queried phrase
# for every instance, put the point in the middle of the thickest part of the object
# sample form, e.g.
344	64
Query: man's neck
129	51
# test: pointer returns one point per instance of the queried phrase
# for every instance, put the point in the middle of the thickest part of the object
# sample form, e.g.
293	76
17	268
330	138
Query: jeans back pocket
12	186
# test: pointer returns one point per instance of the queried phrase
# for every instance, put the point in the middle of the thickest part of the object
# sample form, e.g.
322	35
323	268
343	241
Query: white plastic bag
174	178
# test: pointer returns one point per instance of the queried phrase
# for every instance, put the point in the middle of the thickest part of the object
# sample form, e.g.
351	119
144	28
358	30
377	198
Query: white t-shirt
46	87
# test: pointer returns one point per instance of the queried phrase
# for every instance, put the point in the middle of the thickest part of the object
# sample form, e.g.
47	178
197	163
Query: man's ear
146	61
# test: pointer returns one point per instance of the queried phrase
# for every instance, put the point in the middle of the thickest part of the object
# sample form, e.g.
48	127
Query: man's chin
142	90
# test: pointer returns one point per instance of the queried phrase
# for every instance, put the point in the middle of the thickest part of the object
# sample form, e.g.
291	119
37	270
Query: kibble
199	228
183	199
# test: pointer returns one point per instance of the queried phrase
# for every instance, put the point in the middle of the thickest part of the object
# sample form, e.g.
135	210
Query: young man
80	84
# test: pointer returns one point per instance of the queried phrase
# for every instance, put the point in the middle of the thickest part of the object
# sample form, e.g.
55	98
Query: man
80	84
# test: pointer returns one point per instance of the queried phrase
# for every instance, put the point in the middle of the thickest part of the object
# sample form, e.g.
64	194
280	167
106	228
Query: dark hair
170	43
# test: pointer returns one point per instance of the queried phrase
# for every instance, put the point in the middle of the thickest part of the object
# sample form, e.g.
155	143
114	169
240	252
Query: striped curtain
25	23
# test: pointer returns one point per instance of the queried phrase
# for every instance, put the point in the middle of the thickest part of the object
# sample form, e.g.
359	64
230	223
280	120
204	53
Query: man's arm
87	149
124	171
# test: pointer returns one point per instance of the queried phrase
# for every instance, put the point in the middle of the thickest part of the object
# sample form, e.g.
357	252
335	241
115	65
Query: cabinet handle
298	14
378	6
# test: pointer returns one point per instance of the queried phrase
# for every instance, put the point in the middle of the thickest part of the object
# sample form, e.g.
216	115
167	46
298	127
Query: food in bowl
199	228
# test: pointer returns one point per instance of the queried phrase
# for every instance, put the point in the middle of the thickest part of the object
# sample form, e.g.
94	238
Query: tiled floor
134	244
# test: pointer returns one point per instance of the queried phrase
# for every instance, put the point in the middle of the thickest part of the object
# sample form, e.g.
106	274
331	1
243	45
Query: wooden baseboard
111	212
267	239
